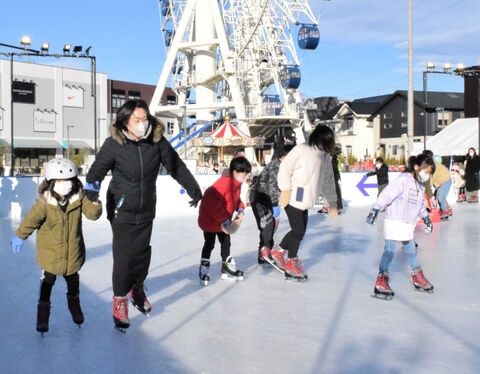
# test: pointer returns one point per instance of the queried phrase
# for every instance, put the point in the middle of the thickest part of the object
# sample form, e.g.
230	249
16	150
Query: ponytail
421	161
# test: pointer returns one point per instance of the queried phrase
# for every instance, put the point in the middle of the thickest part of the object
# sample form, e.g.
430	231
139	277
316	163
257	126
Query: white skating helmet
60	168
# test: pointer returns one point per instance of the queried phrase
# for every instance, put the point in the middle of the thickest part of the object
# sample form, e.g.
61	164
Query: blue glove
240	211
92	191
276	211
17	244
428	224
372	217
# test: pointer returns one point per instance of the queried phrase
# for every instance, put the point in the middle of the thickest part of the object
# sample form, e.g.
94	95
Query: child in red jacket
218	204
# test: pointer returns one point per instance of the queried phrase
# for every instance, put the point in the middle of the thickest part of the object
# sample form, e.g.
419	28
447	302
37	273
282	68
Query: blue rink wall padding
17	194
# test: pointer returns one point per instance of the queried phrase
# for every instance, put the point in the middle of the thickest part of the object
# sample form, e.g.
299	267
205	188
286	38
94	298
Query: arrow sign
362	185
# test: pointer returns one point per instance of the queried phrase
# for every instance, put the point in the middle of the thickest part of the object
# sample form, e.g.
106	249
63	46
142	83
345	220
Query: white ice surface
329	324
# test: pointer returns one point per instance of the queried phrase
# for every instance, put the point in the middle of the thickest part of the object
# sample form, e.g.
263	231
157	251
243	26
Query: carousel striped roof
227	131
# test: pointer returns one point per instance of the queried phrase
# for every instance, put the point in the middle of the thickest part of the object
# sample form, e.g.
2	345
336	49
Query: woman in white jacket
304	174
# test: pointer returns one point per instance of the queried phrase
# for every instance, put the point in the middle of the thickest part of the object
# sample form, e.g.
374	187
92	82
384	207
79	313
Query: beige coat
308	173
60	245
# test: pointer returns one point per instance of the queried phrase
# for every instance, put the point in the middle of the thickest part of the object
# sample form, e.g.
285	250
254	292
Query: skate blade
381	296
203	283
298	279
231	277
123	330
420	289
275	266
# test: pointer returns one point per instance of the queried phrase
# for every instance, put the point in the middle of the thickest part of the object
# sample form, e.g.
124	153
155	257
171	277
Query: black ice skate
43	315
204	271
75	309
382	289
139	299
230	271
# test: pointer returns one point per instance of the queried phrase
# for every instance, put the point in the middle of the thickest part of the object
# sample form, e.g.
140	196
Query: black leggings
262	210
298	220
224	240
48	280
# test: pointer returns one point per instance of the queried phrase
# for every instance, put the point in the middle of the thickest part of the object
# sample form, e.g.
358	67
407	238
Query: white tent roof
455	139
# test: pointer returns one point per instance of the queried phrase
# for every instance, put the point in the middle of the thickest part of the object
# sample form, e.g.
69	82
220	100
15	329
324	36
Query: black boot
75	308
43	315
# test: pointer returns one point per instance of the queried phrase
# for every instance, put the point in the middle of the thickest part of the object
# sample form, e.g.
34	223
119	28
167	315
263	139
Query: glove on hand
240	211
17	244
194	202
276	211
231	227
428	224
285	198
372	216
92	191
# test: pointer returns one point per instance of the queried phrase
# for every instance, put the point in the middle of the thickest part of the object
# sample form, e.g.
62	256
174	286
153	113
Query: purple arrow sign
362	185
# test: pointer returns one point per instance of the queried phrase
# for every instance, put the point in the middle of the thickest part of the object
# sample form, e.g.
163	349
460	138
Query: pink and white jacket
403	200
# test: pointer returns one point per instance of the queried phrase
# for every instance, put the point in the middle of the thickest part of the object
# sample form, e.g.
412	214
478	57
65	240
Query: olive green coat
60	245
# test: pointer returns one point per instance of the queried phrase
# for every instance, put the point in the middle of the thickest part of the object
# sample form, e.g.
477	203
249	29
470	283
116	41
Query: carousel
227	141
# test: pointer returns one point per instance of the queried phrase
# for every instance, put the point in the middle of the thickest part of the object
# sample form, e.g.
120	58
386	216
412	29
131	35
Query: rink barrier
17	194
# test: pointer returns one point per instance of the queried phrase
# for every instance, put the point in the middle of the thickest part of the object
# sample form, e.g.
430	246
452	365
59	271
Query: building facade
391	119
54	109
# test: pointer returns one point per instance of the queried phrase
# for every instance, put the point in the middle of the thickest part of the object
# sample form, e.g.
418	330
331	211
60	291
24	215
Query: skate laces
231	264
420	277
121	308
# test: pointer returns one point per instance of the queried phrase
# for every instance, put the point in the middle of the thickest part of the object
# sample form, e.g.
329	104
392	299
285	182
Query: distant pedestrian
442	183
472	168
381	171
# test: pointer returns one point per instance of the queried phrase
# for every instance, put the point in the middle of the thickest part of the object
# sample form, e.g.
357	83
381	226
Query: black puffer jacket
131	195
471	173
382	174
267	181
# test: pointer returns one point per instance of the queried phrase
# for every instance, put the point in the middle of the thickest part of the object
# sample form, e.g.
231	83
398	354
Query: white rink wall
17	194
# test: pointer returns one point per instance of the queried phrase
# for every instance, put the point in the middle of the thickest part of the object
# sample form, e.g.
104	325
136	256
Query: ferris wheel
236	57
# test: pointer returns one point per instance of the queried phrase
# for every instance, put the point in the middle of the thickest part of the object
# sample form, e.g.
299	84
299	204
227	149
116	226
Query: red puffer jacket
218	204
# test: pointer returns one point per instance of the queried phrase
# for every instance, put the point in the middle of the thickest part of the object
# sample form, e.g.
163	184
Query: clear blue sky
362	51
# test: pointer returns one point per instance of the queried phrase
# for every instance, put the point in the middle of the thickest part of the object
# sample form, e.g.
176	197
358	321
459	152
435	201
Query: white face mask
63	188
139	130
241	180
378	166
471	154
423	177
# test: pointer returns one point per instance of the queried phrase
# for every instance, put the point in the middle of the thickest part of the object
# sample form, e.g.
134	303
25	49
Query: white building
53	108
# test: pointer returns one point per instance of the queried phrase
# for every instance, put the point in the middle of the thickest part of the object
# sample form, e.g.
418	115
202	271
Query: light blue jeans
442	194
389	253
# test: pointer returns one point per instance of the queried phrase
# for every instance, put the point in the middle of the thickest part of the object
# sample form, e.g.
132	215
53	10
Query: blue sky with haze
362	51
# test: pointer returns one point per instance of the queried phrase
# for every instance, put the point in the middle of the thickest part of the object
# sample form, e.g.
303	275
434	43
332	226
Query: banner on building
72	96
43	121
23	92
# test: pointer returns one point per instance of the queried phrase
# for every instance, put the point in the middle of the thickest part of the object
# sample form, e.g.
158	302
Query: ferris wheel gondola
308	37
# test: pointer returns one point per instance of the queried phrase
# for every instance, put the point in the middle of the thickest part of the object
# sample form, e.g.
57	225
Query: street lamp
447	69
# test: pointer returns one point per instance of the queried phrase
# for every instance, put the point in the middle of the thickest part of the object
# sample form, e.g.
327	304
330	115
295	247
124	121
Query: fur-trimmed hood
45	196
158	130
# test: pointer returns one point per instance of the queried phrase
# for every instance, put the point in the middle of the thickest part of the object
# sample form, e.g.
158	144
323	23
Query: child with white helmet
57	215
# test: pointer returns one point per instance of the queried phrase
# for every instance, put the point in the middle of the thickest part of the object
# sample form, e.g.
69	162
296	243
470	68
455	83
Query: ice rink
264	324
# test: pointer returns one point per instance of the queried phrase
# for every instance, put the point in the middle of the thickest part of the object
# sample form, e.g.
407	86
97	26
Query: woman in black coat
134	153
472	168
